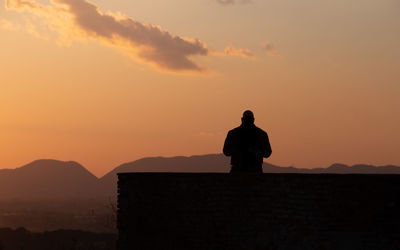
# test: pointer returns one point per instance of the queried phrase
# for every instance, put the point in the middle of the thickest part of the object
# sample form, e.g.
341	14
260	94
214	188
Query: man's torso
248	145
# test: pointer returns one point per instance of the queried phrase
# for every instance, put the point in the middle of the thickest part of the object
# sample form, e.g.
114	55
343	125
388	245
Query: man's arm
228	145
267	151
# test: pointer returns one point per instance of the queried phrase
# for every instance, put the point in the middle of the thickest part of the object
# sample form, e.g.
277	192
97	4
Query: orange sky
108	82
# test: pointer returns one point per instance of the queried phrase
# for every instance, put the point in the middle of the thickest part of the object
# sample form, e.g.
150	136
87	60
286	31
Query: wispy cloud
28	26
270	49
79	19
230	2
7	25
230	50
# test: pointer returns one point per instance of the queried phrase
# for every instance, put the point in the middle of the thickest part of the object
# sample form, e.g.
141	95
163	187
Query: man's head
248	118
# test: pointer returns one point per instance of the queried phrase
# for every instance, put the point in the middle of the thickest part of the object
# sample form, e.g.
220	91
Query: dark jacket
247	147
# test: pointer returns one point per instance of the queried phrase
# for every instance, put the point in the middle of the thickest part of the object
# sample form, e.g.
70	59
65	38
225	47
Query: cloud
230	50
7	25
79	19
230	2
31	29
270	49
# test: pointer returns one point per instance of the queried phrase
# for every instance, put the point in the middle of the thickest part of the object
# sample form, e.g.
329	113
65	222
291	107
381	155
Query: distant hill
336	169
197	164
58	180
216	163
221	163
47	180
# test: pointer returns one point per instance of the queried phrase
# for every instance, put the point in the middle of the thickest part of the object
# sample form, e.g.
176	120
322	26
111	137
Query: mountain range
44	180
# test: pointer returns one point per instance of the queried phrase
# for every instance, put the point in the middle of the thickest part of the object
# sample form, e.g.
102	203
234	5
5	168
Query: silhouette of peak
44	166
50	163
338	166
362	168
47	179
163	163
195	163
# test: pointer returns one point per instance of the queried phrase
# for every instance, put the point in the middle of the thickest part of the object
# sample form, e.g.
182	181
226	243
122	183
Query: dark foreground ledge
269	211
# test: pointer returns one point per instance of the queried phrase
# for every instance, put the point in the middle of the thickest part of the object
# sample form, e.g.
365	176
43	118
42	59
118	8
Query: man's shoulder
240	129
234	130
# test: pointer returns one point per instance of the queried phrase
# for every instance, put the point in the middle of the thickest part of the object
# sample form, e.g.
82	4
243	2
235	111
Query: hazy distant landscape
52	180
51	195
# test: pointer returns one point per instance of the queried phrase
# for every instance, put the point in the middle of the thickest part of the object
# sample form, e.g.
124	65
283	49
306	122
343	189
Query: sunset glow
107	82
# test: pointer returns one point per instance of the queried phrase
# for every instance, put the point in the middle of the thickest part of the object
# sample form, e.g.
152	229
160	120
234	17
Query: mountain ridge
48	179
54	162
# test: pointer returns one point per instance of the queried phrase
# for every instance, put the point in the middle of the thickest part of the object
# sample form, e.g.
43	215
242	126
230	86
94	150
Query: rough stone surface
268	211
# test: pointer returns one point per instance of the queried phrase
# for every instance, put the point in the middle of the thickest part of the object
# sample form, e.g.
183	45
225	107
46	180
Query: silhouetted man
247	145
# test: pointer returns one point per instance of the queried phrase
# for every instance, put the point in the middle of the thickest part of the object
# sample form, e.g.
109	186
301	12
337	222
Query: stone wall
269	211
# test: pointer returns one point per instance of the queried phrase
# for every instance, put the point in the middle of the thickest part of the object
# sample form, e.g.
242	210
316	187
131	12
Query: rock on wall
268	211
